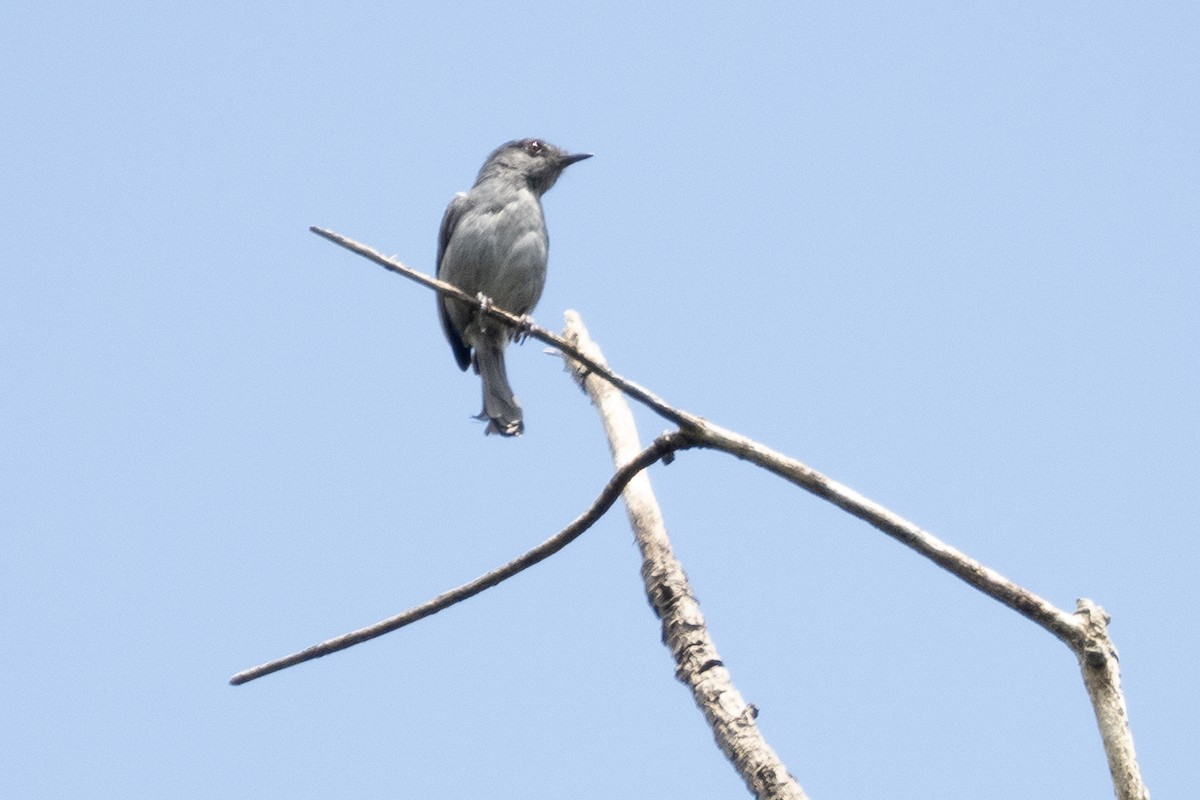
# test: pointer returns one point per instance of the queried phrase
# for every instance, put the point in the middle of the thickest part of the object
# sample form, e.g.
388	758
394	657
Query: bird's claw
523	327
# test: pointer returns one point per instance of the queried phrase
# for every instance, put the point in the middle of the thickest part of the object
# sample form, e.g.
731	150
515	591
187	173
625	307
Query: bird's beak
571	159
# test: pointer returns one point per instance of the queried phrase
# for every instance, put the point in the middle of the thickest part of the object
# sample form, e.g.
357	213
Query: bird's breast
500	250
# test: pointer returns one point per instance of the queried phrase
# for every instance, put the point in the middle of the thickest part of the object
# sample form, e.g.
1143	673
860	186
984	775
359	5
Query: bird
493	244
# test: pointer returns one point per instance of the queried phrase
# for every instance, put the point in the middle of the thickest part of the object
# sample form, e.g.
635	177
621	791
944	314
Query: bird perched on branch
493	244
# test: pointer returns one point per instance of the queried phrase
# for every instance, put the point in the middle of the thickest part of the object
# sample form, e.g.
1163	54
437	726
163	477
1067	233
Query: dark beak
571	159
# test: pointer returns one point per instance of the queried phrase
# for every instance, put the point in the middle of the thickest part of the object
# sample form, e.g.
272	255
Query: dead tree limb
684	631
1084	632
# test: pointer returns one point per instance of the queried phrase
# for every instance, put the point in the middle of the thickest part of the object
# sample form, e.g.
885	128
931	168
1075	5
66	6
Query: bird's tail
500	406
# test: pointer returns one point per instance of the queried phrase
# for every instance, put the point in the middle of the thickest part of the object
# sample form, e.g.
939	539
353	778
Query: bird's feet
482	319
521	330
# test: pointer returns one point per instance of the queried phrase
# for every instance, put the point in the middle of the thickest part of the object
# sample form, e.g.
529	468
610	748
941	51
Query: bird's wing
454	212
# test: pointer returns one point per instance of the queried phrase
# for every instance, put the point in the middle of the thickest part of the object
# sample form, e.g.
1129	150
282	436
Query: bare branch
1085	632
959	564
697	663
662	447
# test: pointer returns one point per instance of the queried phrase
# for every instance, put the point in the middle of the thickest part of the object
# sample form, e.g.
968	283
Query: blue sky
946	254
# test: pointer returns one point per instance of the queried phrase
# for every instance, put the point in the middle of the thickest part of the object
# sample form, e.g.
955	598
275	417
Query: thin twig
698	665
1058	622
524	324
662	447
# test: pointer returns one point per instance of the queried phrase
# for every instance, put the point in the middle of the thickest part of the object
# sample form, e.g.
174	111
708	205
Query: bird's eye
533	147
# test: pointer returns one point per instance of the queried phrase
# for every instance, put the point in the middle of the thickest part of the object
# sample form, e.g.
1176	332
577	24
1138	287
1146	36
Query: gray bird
493	242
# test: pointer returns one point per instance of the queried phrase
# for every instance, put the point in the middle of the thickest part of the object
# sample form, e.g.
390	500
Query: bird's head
535	161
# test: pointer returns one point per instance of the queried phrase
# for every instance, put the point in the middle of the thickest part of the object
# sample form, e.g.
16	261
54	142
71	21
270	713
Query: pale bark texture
1102	676
697	663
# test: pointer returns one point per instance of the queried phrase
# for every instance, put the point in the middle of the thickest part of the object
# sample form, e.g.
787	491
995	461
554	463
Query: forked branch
1085	631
